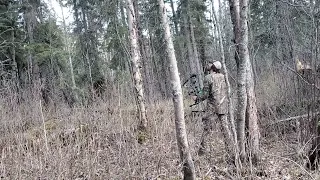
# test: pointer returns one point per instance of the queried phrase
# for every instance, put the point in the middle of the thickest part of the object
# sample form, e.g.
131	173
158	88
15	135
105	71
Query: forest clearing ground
100	142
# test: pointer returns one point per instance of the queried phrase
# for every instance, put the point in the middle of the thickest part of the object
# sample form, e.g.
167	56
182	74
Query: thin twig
294	5
44	126
293	118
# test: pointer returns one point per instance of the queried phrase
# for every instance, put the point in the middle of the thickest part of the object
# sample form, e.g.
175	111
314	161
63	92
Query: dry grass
100	142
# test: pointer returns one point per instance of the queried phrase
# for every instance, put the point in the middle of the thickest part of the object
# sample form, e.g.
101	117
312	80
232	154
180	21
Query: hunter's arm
205	91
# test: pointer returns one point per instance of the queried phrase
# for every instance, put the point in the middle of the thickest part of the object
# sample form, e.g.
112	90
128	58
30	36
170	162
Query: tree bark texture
135	62
192	65
143	53
247	110
252	116
33	68
196	54
235	18
181	134
15	73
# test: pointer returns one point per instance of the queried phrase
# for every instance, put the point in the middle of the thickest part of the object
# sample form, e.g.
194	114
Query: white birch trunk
181	134
135	61
68	49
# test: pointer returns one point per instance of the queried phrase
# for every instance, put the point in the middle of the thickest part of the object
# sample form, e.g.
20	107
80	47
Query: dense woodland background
68	100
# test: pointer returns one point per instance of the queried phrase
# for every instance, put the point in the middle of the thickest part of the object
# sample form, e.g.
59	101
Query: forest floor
100	142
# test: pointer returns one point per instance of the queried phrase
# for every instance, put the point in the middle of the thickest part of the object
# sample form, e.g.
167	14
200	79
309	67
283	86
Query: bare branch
294	118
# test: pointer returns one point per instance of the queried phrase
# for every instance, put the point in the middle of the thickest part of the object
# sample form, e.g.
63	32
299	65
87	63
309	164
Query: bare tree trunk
196	55
247	110
15	70
251	108
193	69
232	139
235	18
242	96
185	155
15	66
174	16
144	58
68	49
155	66
29	34
187	37
314	153
135	61
180	50
33	68
242	99
252	116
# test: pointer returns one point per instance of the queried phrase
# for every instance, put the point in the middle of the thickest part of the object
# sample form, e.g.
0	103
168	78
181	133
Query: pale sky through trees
55	7
67	11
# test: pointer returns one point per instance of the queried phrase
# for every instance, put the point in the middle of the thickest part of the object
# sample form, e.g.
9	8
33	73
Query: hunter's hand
194	98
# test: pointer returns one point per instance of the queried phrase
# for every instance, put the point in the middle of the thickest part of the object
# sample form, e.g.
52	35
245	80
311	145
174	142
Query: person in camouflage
192	85
215	92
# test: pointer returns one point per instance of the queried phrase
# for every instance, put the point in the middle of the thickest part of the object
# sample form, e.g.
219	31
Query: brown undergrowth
100	142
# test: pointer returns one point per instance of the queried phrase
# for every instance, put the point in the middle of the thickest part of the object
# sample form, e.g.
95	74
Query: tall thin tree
185	155
196	54
68	48
135	61
247	110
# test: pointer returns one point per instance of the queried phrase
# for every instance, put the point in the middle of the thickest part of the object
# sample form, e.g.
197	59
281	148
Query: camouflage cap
217	64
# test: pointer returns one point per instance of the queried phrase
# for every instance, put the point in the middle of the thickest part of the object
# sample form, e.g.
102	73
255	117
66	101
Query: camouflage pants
207	129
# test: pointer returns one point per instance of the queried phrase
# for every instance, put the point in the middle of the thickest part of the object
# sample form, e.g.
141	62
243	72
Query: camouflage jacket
215	91
193	87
